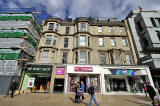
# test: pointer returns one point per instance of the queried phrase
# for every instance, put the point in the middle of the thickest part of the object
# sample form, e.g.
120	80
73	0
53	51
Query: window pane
57	26
113	43
83	27
128	59
102	58
48	40
89	61
118	58
82	40
99	29
66	42
76	57
45	56
64	60
88	28
124	41
88	41
82	57
111	58
110	29
157	22
101	42
54	40
121	29
51	25
67	30
76	40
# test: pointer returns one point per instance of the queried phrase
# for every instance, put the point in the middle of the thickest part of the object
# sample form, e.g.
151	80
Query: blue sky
83	8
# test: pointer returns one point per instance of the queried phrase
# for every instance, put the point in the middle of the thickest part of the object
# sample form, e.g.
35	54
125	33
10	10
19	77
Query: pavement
41	99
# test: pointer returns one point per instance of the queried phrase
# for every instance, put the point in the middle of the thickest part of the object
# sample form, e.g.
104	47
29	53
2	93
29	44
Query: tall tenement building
98	51
145	31
19	35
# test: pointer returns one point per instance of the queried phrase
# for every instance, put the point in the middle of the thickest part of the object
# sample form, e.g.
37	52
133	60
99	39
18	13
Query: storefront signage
31	82
60	70
124	72
39	69
83	69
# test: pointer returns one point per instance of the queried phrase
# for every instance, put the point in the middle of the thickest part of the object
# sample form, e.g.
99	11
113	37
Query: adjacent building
98	51
144	28
19	35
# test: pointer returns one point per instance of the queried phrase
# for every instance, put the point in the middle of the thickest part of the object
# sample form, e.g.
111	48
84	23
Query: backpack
90	90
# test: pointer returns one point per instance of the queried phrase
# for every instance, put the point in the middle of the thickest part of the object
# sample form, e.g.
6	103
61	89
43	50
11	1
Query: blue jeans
93	98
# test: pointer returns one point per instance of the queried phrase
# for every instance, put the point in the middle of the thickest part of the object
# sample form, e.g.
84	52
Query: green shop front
37	78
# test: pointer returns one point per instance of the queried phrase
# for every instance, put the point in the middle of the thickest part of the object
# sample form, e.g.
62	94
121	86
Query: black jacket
151	90
13	86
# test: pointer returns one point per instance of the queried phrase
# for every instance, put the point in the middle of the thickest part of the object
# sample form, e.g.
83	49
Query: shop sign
60	70
39	69
83	69
31	82
124	72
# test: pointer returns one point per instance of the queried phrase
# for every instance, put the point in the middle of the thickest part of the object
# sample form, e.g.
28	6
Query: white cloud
82	8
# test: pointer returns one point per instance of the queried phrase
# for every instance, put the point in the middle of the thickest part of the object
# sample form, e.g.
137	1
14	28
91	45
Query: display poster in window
31	82
124	72
60	70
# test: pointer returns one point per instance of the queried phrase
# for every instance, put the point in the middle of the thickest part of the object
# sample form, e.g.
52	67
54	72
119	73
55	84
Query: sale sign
31	82
60	70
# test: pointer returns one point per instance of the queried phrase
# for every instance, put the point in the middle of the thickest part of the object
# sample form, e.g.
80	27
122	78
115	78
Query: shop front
37	78
87	74
125	79
59	79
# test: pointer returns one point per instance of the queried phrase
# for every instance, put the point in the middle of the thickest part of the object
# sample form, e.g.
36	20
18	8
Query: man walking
82	89
151	92
13	88
91	91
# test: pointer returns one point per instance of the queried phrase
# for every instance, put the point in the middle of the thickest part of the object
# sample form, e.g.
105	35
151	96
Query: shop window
88	41
101	41
67	30
45	56
113	42
57	27
66	40
102	58
89	57
82	40
128	59
64	60
48	40
76	57
111	58
118	58
76	40
51	26
82	57
110	29
124	42
99	29
54	40
82	27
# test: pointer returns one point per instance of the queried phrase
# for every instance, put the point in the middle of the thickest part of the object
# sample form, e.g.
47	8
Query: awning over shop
45	69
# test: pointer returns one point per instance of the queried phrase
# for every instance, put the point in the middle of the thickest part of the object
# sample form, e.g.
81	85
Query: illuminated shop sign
123	72
83	69
60	70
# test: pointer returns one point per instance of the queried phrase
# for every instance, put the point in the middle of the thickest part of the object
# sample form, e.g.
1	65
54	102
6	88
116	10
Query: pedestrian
91	91
82	89
151	91
145	89
13	87
77	91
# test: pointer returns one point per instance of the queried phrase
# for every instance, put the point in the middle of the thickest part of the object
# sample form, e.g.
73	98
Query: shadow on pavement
80	101
141	104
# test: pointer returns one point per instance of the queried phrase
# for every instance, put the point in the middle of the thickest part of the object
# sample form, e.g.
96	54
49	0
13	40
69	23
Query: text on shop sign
123	72
83	69
60	70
